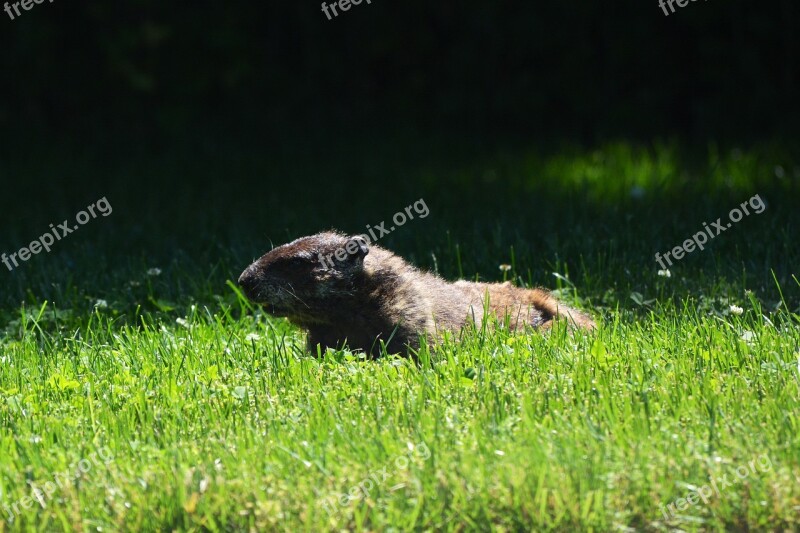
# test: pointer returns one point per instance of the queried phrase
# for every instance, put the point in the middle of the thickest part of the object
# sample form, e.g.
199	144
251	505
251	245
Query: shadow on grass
585	222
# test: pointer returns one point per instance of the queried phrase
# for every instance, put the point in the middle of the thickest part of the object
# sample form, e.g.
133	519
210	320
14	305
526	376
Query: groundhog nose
248	281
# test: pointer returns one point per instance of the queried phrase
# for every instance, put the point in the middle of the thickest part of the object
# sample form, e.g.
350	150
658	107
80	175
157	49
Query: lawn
141	392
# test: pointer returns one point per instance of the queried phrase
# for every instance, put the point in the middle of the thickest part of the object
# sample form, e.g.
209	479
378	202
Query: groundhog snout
249	282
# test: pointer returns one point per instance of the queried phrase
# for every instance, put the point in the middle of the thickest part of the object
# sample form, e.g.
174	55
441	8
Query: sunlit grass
217	420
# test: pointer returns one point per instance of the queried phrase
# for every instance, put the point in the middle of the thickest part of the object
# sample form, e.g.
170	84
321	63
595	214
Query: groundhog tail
554	310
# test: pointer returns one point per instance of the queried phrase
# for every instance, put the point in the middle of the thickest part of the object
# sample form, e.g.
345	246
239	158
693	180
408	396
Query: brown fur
373	295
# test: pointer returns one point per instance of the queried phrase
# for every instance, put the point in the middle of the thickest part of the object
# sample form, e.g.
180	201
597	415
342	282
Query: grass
211	418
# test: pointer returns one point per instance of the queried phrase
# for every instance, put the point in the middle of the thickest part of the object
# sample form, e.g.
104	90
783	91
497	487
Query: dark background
581	70
217	129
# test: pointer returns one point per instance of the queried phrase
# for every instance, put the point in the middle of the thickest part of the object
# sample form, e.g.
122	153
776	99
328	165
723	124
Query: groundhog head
306	278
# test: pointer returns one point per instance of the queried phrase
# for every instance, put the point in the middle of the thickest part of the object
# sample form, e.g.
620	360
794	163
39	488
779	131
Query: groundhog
345	291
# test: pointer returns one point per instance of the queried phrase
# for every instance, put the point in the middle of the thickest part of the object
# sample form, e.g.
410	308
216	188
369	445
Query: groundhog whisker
295	296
